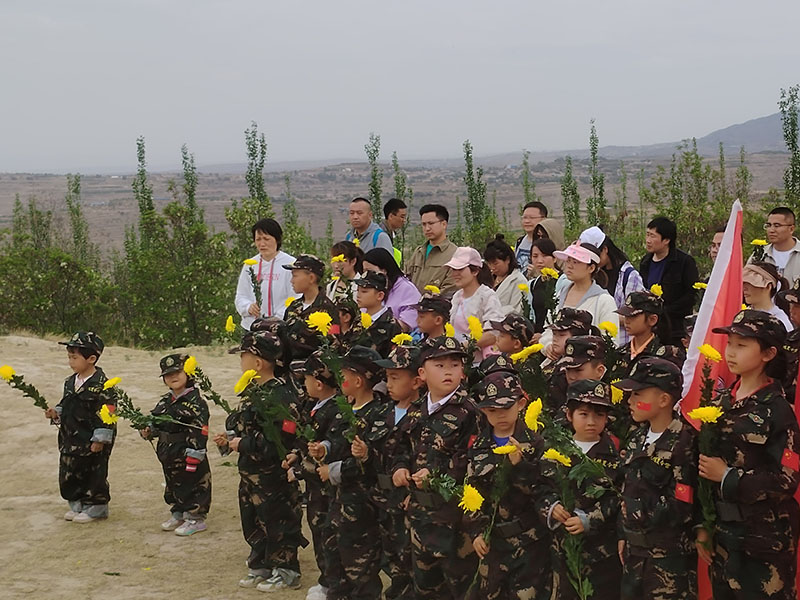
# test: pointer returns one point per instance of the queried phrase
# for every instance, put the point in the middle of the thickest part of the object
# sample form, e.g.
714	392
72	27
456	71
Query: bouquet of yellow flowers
17	382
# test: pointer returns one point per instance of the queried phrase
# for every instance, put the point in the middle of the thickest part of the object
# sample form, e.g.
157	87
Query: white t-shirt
782	317
652	436
781	257
585	446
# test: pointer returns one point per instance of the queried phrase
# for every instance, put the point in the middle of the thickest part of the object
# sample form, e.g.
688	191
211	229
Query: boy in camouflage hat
433	312
181	450
263	429
755	468
660	482
379	324
569	322
434	439
588	406
85	440
642	318
584	358
519	538
514	333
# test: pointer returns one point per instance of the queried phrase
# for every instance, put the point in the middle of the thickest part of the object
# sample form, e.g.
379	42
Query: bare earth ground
127	556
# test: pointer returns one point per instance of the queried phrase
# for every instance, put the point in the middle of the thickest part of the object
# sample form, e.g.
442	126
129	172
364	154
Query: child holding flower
86	431
377	320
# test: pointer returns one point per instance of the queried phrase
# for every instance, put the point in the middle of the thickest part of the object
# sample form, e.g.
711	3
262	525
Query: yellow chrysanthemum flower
706	414
230	326
548	273
523	287
321	321
449	330
609	327
245	380
289	300
250	262
190	366
334	278
106	416
507	449
433	289
699	285
657	290
471	499
744	306
366	320
616	393
357	242
710	352
402	338
111	383
7	372
758	242
338	258
526	352
556	456
475	327
532	415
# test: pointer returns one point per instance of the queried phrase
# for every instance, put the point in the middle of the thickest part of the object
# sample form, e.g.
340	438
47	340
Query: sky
81	80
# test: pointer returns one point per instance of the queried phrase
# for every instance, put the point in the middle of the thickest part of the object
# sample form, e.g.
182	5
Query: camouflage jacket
79	416
517	518
556	402
625	361
175	441
660	482
258	454
323	423
378	336
792	351
303	340
760	441
393	495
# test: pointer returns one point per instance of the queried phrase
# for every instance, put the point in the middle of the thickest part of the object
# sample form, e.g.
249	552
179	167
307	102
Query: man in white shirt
783	249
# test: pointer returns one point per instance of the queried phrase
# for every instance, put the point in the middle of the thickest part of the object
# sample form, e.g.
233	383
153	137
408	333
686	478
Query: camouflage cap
363	360
572	318
315	367
495	363
756	324
688	323
307	262
441	346
653	372
273	324
434	304
516	326
674	354
792	295
264	344
85	339
591	391
373	279
498	390
401	357
580	349
641	302
172	363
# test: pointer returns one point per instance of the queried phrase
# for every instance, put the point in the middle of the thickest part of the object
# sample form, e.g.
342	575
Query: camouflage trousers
188	493
271	522
396	548
357	542
669	578
738	576
84	479
513	570
317	508
444	561
605	576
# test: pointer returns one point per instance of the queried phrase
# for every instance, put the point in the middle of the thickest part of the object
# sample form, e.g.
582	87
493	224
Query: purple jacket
402	296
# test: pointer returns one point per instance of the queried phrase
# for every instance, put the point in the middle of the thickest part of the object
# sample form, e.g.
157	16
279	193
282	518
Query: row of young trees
172	283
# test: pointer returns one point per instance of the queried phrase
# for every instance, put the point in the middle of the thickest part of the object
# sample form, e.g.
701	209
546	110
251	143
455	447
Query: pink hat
463	257
579	252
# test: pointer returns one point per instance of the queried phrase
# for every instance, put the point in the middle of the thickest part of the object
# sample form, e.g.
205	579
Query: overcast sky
81	80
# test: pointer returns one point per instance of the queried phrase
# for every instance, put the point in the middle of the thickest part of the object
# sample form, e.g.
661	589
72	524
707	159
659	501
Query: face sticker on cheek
644	405
345	384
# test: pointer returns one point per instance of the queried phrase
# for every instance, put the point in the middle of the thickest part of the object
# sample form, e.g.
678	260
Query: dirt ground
127	556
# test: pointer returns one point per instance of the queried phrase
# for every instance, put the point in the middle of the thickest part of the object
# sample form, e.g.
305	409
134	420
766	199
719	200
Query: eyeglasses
777	225
430	223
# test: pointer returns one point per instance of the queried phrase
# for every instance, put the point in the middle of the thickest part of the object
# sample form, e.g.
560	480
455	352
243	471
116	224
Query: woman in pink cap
472	298
761	281
582	269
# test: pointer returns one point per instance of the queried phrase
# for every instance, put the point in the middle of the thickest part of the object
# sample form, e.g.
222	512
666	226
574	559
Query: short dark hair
392	206
545	245
269	227
364	200
498	249
441	212
536	204
783	210
721	229
665	228
84	352
573	405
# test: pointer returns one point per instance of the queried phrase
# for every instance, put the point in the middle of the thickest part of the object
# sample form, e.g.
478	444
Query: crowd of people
495	424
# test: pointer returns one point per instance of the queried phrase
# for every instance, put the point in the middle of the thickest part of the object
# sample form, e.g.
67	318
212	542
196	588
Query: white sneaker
189	527
85	517
283	580
172	524
70	515
251	581
317	592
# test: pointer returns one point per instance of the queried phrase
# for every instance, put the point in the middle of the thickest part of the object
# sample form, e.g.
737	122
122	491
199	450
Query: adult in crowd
782	249
541	287
552	229
621	276
346	265
532	214
403	295
395	213
428	262
507	278
364	229
585	288
760	284
672	269
473	299
716	243
791	298
274	280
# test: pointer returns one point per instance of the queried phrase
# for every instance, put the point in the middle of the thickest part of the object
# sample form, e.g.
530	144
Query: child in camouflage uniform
755	468
372	290
570	322
660	480
182	450
518	538
514	333
85	439
433	312
645	323
264	428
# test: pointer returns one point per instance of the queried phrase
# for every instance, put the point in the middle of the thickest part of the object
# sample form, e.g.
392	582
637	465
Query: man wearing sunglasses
783	249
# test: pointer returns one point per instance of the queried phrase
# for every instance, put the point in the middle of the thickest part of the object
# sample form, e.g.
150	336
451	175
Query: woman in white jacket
581	268
275	281
502	263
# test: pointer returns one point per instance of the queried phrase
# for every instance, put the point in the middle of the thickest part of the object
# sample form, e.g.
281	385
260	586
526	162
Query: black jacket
680	275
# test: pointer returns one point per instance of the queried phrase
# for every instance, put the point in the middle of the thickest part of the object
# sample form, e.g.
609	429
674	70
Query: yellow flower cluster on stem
532	414
321	321
609	328
556	456
110	383
706	414
526	352
230	326
402	338
7	372
107	416
523	287
250	262
449	330
710	352
699	285
471	499
245	380
475	327
758	242
366	320
507	449
548	273
288	301
433	289
338	258
190	366
657	290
